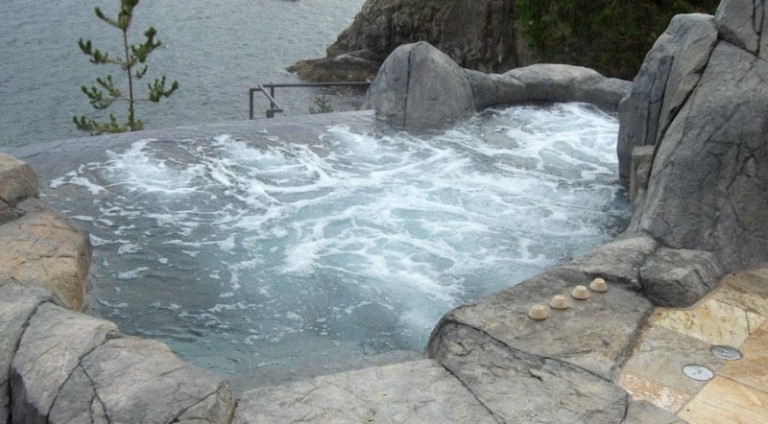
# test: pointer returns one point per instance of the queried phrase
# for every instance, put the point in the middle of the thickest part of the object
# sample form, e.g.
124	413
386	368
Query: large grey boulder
419	87
617	262
568	83
740	23
707	189
52	346
17	304
679	277
17	182
493	89
594	334
45	249
411	392
131	380
667	77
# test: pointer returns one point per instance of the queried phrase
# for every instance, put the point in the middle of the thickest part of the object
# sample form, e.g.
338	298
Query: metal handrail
274	107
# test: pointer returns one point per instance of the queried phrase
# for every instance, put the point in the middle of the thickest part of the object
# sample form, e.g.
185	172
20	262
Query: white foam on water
132	274
360	238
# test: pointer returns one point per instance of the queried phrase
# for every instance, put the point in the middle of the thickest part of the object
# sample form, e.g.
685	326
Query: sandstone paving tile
724	401
761	273
745	290
642	388
643	412
752	369
710	321
755	321
662	354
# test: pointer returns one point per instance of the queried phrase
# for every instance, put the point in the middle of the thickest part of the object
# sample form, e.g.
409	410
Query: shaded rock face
478	34
701	100
671	70
17	182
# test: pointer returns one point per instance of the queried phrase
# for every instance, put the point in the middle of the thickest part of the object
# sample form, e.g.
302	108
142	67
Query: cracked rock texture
701	100
131	380
17	304
53	345
410	392
519	387
420	88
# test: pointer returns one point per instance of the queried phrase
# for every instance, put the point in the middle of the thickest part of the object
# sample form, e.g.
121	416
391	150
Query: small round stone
598	285
538	312
580	293
559	302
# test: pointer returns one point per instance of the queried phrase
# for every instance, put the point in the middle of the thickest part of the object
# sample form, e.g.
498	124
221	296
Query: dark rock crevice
9	371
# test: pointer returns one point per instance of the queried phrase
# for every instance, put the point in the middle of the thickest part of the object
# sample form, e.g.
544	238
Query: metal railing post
250	103
275	107
271	110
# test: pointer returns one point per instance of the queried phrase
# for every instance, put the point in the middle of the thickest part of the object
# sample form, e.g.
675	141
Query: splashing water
246	257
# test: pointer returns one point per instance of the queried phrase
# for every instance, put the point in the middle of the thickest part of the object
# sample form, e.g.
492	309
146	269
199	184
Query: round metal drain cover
728	353
698	372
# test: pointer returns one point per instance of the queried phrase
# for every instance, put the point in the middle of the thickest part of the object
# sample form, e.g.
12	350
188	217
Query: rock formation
478	34
696	125
701	101
420	88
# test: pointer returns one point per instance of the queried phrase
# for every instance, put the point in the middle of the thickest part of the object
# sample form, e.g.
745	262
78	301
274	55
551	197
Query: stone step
410	392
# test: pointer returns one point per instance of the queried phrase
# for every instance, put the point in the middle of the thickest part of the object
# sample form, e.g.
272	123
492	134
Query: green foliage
322	105
133	63
611	36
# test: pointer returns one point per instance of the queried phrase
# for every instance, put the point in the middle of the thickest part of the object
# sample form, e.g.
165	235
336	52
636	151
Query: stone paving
736	315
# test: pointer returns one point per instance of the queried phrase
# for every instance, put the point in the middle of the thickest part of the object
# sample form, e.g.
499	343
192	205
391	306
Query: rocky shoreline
694	123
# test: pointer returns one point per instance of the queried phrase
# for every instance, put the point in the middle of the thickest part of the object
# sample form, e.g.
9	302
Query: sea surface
215	50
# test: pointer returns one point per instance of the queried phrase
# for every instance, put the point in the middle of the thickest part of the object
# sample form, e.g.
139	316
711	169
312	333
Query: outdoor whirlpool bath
261	256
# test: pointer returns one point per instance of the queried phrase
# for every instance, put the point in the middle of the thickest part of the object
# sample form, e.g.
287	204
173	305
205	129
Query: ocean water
262	257
216	51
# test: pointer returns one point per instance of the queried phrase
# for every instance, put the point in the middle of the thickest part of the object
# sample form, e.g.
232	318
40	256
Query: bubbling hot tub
279	259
